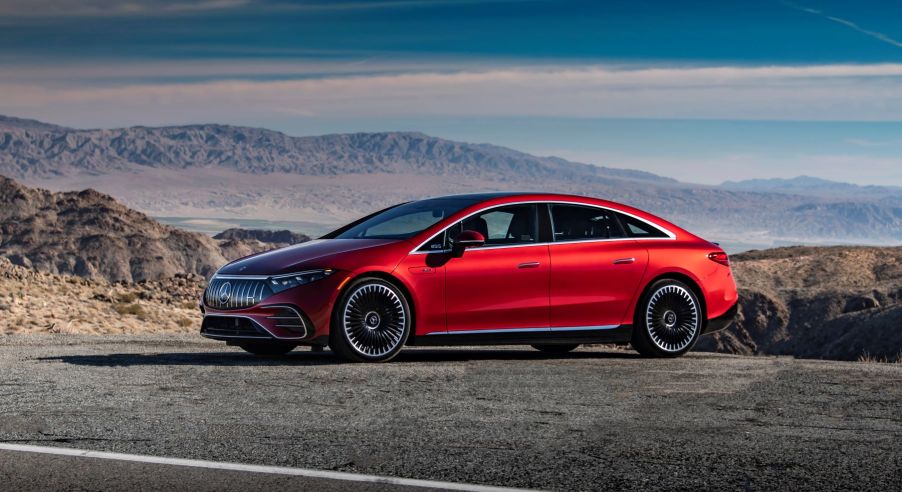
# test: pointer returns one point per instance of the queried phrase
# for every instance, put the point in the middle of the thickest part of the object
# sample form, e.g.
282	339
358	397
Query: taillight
719	257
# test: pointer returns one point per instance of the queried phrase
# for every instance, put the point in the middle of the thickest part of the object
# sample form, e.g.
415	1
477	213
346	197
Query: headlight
278	283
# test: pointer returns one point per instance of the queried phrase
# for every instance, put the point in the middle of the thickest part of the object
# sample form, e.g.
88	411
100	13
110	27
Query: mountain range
219	171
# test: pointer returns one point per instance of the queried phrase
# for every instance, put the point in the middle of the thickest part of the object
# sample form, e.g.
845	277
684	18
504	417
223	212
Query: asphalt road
512	417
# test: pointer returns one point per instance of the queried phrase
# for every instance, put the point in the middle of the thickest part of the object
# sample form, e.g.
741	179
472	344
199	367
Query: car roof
479	197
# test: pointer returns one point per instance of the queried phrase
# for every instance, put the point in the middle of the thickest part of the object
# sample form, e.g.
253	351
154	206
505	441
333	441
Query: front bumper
722	321
300	315
269	322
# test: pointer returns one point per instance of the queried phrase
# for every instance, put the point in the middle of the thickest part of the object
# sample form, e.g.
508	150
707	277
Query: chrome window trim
670	235
547	329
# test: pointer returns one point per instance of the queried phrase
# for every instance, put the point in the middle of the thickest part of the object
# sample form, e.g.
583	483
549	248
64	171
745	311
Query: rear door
595	268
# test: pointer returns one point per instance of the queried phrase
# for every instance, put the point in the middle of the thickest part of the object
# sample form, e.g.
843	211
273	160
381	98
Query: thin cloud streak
874	34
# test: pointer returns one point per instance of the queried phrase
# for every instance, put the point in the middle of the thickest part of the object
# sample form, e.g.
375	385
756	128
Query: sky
703	91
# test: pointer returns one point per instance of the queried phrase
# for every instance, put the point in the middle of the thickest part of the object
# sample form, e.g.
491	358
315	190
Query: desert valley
83	263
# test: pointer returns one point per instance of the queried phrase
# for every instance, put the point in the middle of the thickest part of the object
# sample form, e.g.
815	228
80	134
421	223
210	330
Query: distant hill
830	303
264	236
813	186
226	172
237	243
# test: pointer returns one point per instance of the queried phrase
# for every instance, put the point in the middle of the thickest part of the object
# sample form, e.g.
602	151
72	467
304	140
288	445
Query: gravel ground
594	419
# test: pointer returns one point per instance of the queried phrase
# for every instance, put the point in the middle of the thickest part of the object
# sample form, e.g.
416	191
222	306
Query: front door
503	285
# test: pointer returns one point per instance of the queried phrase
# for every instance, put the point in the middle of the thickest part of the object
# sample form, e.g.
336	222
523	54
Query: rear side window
638	228
576	223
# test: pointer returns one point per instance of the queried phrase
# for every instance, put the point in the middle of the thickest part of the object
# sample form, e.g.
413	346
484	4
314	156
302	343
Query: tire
555	349
268	348
668	320
371	321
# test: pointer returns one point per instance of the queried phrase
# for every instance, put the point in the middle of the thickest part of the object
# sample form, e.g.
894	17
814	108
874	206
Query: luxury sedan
551	271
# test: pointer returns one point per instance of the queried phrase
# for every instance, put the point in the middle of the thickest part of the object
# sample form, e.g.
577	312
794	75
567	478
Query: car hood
319	253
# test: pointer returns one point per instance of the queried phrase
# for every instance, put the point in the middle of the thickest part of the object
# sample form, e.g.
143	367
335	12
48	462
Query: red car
551	271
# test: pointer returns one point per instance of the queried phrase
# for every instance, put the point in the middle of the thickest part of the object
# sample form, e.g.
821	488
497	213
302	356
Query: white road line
273	470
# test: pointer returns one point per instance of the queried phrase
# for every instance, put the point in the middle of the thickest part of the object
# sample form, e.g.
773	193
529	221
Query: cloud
825	92
117	8
106	8
874	34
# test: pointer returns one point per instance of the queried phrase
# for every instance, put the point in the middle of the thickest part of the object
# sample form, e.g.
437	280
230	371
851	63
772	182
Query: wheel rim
672	318
374	320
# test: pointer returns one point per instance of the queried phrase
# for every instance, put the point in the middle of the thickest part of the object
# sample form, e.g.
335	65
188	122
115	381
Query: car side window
579	223
639	229
512	224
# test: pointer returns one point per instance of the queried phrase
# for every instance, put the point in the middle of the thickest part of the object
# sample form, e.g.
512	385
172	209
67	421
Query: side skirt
620	334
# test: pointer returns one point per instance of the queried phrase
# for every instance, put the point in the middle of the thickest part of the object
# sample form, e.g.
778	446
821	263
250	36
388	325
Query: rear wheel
371	321
555	349
268	348
668	320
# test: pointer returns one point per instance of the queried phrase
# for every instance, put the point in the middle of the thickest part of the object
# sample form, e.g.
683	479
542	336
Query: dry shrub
126	308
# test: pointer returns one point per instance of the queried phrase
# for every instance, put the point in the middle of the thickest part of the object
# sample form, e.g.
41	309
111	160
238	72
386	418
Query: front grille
232	327
230	293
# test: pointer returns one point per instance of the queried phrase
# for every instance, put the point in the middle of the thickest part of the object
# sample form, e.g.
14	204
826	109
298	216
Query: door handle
624	261
529	264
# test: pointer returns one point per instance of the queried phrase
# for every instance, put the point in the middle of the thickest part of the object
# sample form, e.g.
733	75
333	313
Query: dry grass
873	359
127	298
132	309
35	302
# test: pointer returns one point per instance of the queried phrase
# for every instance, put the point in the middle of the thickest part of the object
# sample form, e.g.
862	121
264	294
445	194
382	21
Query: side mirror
466	239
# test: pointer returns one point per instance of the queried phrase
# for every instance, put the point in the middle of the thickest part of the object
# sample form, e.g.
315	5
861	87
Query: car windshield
402	221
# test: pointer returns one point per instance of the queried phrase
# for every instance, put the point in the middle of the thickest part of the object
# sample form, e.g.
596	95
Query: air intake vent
232	327
230	293
288	319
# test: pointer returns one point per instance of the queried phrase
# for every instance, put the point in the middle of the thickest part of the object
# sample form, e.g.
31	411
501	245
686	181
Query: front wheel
268	348
668	320
371	321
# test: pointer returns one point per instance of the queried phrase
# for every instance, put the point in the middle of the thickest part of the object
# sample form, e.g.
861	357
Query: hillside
91	235
832	303
217	171
38	302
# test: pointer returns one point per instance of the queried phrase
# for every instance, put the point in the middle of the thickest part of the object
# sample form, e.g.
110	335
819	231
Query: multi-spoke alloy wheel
669	321
371	322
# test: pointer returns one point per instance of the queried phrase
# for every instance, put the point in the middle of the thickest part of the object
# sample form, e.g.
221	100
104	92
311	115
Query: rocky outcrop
89	234
825	302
